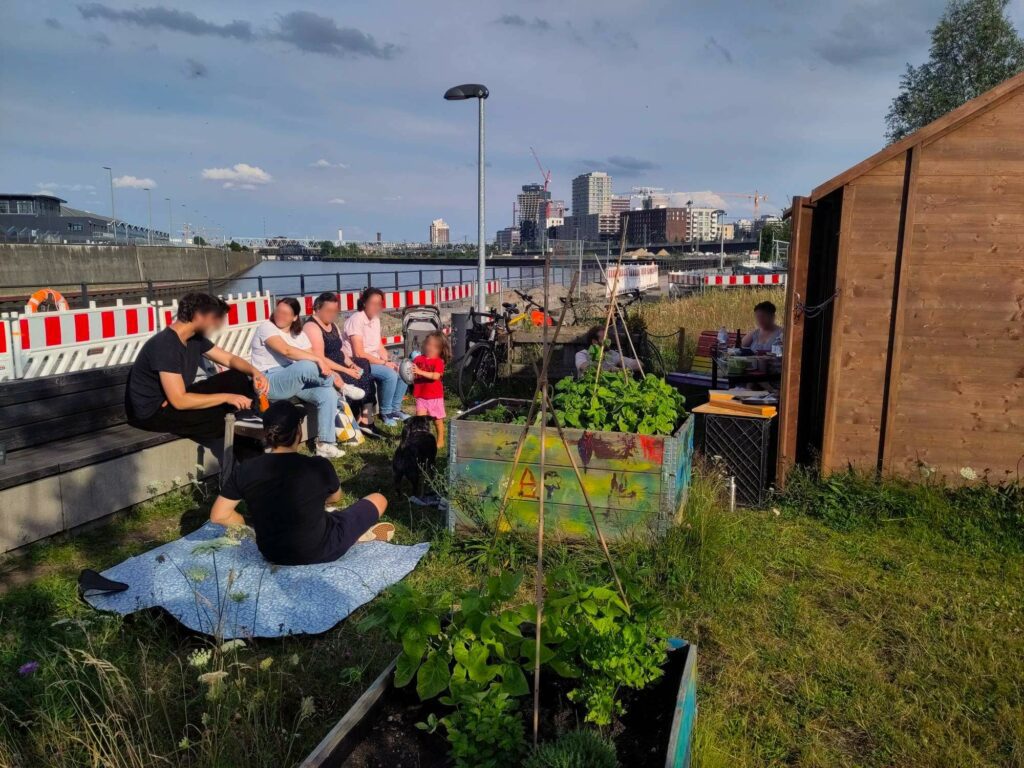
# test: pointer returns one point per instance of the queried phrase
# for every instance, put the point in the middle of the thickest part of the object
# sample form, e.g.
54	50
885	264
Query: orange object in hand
264	402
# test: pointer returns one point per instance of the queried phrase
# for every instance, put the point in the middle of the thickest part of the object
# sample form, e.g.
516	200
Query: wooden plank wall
860	332
957	395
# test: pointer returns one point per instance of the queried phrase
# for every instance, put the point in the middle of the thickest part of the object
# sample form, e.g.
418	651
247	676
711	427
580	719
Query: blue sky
322	115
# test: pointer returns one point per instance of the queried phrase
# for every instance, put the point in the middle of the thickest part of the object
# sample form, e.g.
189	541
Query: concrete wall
62	265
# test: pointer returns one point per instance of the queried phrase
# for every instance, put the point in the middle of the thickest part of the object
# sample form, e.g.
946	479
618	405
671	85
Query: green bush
617	403
578	749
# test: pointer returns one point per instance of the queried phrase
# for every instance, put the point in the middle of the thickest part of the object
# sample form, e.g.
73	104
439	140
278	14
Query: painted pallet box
637	483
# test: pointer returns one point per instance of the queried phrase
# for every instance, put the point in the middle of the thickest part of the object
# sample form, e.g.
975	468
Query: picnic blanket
221	585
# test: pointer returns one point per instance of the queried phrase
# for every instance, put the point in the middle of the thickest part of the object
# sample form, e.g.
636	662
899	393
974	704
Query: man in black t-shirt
162	393
286	493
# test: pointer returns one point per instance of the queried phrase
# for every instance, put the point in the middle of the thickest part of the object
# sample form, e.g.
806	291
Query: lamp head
467	91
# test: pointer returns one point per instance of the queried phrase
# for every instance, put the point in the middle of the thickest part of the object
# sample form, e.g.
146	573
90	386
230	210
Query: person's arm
331	481
748	340
282	347
428	374
582	360
359	350
181	399
316	346
224	512
235	363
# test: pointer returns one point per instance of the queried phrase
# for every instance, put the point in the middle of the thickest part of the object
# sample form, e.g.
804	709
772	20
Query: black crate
745	447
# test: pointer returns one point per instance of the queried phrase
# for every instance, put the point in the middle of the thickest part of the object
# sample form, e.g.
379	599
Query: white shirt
611	361
263	358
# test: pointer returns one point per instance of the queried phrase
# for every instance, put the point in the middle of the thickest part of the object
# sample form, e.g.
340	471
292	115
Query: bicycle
535	317
490	343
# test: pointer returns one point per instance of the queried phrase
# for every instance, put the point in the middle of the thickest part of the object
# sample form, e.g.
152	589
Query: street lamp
170	222
113	214
721	240
149	199
478	92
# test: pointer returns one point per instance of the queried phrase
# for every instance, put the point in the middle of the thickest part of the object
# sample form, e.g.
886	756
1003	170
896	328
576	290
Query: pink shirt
358	324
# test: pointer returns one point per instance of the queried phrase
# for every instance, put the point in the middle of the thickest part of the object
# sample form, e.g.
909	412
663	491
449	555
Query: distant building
593	227
620	204
341	236
727	231
703	222
744	229
647	226
439	233
46	219
592	193
507	238
532	204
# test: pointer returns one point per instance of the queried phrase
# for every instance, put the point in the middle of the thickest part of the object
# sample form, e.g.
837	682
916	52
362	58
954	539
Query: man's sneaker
353	393
369	430
399	415
329	451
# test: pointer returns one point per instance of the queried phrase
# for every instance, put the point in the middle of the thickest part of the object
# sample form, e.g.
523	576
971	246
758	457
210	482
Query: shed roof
948	122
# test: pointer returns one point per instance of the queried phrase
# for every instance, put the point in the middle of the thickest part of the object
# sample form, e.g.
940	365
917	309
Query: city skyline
318	119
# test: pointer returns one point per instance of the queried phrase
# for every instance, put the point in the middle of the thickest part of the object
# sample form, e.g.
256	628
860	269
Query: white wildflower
200	658
968	474
232	645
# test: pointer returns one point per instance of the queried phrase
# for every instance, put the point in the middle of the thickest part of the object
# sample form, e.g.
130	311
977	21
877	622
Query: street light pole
149	203
113	213
478	92
170	222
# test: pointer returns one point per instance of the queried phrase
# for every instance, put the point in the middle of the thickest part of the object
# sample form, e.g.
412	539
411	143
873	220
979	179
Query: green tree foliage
974	47
197	240
775	230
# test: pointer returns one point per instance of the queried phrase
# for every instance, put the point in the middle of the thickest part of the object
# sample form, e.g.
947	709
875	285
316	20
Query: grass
850	624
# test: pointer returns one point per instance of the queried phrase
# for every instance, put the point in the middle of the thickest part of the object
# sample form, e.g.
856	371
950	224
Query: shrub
577	749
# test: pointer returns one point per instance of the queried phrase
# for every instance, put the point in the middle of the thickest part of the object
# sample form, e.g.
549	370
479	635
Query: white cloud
706	199
238	176
336	201
53	186
133	182
325	163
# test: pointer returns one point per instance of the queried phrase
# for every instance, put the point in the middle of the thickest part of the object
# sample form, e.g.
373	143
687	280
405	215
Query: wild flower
184	743
266	663
197	574
293	660
200	658
239	597
28	668
967	473
214	545
306	708
232	645
213	682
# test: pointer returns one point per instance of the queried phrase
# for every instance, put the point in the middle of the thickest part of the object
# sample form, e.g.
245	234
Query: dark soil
641	736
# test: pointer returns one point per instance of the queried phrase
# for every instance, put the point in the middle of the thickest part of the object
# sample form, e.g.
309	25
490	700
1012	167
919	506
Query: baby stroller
417	322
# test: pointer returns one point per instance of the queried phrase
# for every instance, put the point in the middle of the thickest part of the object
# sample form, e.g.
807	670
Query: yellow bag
346	424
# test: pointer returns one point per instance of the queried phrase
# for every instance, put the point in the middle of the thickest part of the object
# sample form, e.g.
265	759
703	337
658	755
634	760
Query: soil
641	736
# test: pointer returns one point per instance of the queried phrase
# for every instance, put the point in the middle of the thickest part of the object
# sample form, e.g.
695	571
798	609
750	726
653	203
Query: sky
306	118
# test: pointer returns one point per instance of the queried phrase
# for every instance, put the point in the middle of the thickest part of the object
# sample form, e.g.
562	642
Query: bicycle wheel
477	374
650	358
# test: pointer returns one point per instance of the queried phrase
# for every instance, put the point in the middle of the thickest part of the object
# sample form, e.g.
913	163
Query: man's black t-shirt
163	352
285	494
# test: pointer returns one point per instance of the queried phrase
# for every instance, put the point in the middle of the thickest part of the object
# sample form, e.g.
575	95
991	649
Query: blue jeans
302	379
390	389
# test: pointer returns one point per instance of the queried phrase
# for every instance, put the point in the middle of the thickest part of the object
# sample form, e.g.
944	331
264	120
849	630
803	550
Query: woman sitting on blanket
286	493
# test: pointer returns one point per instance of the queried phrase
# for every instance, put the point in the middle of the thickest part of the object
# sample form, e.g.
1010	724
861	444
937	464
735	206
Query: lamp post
113	214
149	203
721	241
478	92
170	222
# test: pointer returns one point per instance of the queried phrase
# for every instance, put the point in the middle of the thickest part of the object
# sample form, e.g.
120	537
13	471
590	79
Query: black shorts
346	526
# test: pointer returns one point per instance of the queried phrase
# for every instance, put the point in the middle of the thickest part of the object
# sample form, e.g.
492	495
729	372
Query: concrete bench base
65	501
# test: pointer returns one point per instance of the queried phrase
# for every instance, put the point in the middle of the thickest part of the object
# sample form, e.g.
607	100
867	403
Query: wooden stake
611	307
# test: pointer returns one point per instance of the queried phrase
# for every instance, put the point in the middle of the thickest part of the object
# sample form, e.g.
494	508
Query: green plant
485	730
618	403
500	414
576	749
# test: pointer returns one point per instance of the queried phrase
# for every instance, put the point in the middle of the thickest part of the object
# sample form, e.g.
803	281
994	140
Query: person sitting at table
286	493
361	340
767	334
163	395
283	353
611	361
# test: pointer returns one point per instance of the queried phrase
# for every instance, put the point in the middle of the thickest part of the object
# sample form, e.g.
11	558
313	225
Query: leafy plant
485	730
618	404
576	749
500	414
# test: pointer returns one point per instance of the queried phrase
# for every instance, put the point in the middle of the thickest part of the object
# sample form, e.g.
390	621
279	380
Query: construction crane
547	180
756	197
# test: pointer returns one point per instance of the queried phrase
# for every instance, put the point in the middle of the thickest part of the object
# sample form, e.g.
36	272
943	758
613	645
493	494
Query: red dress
428	389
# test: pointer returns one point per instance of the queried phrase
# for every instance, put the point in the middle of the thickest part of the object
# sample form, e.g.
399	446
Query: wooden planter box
353	727
637	483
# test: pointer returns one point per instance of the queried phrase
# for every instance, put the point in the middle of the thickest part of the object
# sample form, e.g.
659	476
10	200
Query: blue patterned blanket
221	585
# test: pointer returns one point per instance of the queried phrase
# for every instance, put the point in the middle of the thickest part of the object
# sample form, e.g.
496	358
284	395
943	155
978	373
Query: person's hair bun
281	424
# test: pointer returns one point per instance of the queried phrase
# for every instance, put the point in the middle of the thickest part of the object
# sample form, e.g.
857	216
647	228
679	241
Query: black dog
416	453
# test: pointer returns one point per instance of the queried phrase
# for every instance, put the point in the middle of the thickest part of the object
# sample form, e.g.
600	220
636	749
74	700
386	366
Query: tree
197	240
974	48
772	231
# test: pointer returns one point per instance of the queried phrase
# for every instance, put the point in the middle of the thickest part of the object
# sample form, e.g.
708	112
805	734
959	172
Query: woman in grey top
767	334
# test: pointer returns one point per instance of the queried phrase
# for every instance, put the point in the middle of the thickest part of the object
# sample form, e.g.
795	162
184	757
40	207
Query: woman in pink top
361	339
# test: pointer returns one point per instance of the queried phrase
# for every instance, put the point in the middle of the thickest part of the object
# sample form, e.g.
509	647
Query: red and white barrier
407	298
631	277
245	312
7	371
50	343
689	280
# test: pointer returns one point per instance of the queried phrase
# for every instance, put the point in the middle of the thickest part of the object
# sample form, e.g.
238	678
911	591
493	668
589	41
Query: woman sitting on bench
286	494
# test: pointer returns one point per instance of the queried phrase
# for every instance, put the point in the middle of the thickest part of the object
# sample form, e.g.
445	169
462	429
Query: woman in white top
767	334
360	340
610	361
282	352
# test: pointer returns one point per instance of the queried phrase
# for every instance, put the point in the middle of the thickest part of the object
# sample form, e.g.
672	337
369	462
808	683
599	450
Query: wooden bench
70	456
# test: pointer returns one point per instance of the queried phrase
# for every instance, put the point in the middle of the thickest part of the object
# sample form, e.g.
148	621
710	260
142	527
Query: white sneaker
329	451
353	393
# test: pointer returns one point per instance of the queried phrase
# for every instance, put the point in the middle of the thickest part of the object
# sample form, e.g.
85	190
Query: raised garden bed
637	483
380	728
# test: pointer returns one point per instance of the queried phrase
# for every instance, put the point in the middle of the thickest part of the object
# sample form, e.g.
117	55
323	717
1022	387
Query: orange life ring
47	300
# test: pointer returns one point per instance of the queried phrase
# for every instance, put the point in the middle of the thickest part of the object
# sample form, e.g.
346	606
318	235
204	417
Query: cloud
51	187
52	23
336	201
324	163
195	70
594	32
705	199
515	20
101	39
238	176
158	17
872	33
713	46
620	165
133	182
313	33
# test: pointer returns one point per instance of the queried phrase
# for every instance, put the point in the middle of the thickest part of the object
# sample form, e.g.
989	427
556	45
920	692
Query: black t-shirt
163	352
286	494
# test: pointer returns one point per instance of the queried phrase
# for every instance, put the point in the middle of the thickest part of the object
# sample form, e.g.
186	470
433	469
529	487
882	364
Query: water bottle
723	338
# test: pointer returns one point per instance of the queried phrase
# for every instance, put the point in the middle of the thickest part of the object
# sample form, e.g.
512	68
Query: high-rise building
620	204
439	234
592	193
702	224
652	226
341	236
507	238
532	204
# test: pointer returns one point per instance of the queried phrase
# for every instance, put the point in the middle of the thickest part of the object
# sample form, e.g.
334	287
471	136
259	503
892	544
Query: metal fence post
259	283
302	285
396	279
149	291
369	279
84	295
337	282
209	285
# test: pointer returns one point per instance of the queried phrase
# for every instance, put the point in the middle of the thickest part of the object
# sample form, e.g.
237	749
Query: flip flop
380	532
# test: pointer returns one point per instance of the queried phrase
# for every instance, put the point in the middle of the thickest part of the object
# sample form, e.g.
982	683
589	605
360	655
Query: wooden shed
905	302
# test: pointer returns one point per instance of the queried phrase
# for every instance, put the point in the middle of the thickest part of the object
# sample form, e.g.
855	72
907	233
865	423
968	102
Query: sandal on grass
379	532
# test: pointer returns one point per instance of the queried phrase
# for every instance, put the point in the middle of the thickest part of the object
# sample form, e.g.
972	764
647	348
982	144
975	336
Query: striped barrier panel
7	371
245	312
777	278
631	277
418	297
51	343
